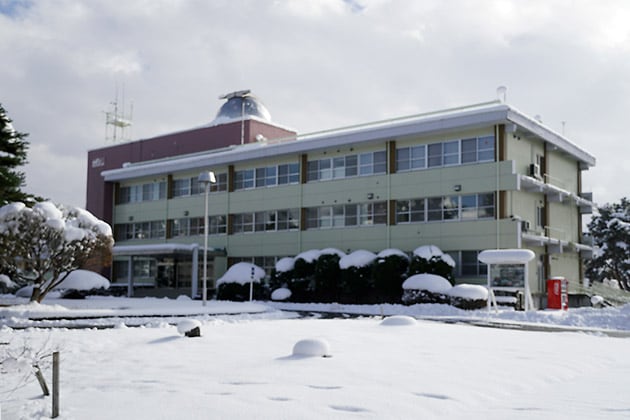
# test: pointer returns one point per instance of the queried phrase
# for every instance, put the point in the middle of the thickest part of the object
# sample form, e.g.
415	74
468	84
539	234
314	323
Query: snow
242	273
6	281
429	251
429	282
187	325
399	320
469	291
281	294
312	347
244	366
84	280
309	256
332	251
359	258
48	210
392	251
285	264
506	256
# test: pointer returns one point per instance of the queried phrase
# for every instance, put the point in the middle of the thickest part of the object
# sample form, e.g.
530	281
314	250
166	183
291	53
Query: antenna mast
117	123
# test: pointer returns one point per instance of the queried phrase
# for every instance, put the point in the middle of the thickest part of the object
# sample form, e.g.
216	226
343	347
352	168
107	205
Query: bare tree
44	244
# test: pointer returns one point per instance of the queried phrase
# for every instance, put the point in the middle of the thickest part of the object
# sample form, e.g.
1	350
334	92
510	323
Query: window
470	264
485	149
288	173
140	230
244	179
264	221
469	207
347	215
181	187
485	206
410	211
347	166
435	155
451	153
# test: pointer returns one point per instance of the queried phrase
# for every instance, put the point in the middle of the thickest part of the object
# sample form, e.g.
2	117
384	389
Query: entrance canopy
164	249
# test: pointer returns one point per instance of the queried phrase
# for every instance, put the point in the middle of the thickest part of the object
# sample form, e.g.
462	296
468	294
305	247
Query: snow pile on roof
506	256
429	282
242	273
359	258
431	251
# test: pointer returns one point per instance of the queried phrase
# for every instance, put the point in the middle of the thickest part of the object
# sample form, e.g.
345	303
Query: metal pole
205	248
55	385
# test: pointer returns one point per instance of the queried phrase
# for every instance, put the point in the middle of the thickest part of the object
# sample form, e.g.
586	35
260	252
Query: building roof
467	117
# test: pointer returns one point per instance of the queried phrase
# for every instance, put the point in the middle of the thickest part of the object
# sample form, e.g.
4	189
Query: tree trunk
36	296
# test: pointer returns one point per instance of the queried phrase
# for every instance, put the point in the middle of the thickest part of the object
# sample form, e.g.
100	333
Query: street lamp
205	178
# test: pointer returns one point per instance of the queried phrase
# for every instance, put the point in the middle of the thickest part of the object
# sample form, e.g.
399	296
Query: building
466	179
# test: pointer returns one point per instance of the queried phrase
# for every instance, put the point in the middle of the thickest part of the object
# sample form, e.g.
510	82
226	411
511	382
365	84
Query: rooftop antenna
116	121
502	94
239	94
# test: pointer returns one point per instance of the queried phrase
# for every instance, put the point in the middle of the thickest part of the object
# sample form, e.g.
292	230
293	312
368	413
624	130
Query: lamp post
205	178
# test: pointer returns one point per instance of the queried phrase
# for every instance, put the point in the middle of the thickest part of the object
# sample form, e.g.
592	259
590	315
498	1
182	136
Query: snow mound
398	320
285	264
187	325
241	273
312	348
430	251
469	291
281	294
332	251
392	251
429	282
84	280
359	258
309	256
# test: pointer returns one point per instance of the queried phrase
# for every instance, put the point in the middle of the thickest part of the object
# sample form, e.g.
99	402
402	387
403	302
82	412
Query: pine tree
13	149
611	234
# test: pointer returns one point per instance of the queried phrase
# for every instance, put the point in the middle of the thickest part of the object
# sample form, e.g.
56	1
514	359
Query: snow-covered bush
430	259
389	271
356	281
44	244
312	347
234	285
326	275
281	294
302	284
468	296
426	288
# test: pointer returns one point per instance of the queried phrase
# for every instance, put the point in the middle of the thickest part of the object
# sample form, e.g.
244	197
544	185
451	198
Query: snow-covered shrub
389	271
281	274
326	275
430	259
426	288
468	296
356	282
234	285
44	244
302	283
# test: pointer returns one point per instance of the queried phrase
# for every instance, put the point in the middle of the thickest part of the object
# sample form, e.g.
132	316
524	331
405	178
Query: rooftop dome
241	105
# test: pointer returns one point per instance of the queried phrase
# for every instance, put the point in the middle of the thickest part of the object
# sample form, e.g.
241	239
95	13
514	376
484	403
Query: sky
316	65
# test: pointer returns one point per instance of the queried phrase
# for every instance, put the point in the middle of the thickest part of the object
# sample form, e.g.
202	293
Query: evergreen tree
13	149
611	233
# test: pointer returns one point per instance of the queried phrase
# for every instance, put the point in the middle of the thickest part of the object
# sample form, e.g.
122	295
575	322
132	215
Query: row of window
266	221
453	152
448	153
456	207
140	230
151	191
344	215
416	210
269	176
372	163
190	186
193	226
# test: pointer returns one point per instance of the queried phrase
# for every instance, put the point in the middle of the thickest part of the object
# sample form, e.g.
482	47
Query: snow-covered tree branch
43	244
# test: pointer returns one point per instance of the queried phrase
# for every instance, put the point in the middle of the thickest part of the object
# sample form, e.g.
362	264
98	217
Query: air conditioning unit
524	226
534	171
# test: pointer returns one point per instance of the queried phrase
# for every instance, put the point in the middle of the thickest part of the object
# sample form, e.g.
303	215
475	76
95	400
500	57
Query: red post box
558	293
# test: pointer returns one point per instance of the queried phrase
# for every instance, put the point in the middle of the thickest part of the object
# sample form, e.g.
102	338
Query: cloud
316	65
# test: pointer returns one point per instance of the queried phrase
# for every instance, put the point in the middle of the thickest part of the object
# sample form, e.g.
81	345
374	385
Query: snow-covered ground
243	365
